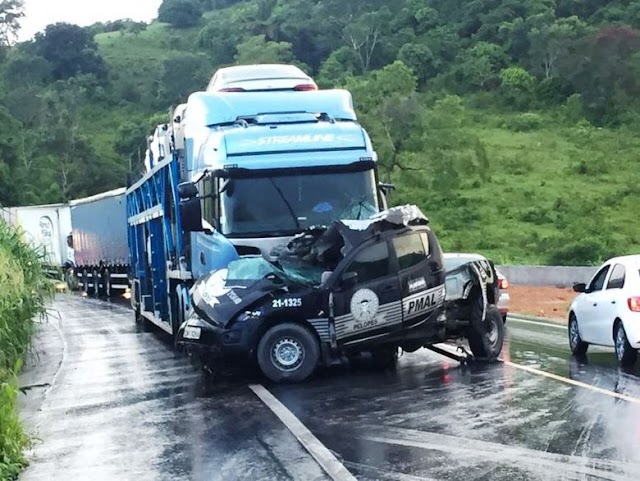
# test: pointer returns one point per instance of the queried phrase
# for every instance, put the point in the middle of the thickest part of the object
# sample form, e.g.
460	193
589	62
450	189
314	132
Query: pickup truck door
420	278
367	301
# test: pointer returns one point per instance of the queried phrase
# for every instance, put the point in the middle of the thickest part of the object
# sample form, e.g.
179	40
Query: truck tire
106	283
95	278
85	282
288	352
486	338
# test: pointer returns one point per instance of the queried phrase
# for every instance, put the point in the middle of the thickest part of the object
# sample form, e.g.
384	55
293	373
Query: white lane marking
537	323
334	468
573	382
540	462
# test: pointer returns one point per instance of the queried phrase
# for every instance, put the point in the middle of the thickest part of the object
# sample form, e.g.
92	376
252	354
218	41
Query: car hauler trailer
99	241
45	227
246	172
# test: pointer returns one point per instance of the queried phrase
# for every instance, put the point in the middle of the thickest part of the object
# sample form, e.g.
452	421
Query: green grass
561	193
22	290
141	57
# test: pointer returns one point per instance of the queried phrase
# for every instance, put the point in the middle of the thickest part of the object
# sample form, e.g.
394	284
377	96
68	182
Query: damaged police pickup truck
371	286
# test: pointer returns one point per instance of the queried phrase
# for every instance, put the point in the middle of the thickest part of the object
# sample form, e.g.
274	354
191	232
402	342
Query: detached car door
421	278
366	297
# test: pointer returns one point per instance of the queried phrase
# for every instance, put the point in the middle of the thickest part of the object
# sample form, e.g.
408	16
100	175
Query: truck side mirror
386	188
191	215
187	190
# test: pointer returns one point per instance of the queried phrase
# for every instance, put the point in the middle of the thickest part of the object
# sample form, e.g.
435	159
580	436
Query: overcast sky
40	13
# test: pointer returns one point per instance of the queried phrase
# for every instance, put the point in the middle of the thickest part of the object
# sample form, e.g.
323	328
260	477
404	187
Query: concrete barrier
560	276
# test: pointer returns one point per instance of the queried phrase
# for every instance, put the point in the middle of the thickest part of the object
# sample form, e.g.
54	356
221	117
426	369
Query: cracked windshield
309	240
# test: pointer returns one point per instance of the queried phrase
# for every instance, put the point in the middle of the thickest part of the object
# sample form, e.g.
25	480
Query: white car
263	77
607	312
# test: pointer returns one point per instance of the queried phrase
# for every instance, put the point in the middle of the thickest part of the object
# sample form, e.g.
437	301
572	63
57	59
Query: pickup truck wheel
486	338
288	352
385	357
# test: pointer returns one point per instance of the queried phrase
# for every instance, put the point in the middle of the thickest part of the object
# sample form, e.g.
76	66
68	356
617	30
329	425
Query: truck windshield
287	204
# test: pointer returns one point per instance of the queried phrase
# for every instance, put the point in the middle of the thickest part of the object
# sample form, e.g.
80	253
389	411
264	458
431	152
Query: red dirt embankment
550	302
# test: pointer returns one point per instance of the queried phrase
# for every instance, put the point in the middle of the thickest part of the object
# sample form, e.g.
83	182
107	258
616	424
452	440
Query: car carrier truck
246	172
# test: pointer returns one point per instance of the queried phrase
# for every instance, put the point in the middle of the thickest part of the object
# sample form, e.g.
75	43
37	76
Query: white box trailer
46	228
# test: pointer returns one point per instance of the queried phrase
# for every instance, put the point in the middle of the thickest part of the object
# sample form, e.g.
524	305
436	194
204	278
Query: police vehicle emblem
364	305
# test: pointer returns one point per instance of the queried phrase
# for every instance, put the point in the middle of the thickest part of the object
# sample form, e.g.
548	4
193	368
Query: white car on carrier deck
607	311
261	77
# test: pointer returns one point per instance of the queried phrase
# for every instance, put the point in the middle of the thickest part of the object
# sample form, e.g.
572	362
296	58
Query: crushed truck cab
372	285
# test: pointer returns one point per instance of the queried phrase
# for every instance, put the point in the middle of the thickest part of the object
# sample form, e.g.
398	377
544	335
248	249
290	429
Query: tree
71	50
603	70
552	41
180	13
11	11
517	86
10	190
420	59
182	75
478	66
23	69
219	38
258	50
389	109
363	35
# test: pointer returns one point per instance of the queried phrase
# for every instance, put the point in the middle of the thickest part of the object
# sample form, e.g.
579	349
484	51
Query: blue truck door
367	298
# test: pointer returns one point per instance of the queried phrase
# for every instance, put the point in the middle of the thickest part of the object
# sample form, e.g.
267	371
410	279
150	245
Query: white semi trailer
46	228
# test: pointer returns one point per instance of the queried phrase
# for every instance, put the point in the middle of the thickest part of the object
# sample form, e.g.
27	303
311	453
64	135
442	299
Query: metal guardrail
559	276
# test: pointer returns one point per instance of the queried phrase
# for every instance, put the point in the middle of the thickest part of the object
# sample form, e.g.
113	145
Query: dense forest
512	123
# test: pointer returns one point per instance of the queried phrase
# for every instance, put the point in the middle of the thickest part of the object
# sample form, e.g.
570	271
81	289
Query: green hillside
510	122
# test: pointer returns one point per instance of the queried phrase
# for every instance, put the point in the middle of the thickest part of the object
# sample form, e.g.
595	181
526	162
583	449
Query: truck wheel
85	282
143	325
486	338
96	283
288	352
106	283
385	357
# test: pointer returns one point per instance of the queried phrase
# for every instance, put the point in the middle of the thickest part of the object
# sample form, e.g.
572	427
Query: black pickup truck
370	286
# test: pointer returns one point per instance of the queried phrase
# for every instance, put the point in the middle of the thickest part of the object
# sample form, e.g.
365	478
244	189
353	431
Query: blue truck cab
246	172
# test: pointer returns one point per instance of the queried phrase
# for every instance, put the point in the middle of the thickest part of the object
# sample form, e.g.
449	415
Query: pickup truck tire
385	357
486	338
288	352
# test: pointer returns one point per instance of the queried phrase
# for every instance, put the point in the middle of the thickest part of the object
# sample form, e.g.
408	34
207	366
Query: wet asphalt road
122	406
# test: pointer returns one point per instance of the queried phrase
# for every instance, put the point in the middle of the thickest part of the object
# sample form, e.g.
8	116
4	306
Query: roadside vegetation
510	122
22	290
